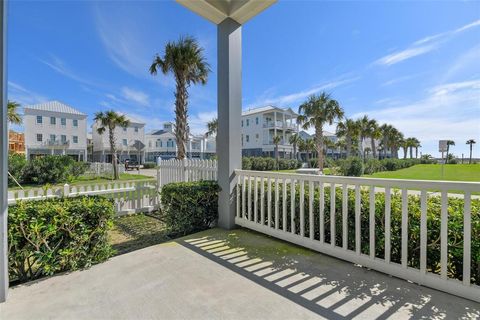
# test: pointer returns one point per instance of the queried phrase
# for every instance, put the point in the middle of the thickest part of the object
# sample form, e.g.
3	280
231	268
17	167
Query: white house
54	128
260	125
126	141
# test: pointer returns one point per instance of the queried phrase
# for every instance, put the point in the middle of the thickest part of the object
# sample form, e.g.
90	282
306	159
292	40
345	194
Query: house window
247	137
149	144
52	137
242	123
124	141
39	119
248	122
75	122
63	138
256	120
75	139
39	137
53	120
256	136
63	121
136	129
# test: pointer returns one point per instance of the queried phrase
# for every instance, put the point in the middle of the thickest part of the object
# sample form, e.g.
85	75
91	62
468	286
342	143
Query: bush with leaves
373	165
52	169
269	164
16	164
455	225
55	235
149	165
352	166
188	207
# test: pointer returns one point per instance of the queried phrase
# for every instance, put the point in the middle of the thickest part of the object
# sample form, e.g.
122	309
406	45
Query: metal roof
55	106
267	108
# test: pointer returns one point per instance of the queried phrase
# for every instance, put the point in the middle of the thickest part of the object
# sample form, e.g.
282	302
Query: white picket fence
97	169
267	202
129	197
185	170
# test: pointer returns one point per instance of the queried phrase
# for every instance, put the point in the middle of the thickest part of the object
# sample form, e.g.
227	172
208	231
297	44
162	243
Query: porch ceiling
218	10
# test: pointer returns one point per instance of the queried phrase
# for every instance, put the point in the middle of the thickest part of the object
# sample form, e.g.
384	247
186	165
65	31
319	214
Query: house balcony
56	144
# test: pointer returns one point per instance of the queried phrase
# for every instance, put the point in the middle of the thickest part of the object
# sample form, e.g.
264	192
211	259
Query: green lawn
83	180
451	172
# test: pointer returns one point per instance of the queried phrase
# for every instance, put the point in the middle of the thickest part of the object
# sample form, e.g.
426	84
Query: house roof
132	119
55	106
265	109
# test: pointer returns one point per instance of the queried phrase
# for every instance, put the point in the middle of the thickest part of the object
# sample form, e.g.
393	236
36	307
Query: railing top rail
392	183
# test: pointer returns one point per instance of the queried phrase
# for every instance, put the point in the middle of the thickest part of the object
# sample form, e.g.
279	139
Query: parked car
131	165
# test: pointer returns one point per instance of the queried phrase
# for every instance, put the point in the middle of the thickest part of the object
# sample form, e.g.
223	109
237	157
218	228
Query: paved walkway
230	275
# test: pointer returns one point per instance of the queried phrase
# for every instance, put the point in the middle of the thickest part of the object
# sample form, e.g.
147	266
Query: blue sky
414	64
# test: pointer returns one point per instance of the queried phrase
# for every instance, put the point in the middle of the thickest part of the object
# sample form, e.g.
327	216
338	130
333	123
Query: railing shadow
331	288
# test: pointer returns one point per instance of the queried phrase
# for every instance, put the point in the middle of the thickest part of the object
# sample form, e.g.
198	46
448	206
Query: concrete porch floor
235	274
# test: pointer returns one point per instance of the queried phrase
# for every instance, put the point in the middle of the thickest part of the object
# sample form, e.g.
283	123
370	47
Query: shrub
149	165
269	164
188	207
52	169
56	235
455	225
246	163
352	166
372	166
16	164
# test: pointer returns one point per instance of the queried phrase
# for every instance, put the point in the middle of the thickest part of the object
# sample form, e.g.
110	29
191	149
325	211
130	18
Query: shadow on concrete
330	287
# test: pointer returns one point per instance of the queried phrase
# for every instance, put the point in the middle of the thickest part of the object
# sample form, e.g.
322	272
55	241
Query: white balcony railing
56	143
378	223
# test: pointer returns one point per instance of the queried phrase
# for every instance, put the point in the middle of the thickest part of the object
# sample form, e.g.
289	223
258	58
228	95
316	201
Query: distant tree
366	152
471	142
294	140
184	58
348	130
109	120
386	131
341	145
449	143
364	131
212	127
13	116
316	112
374	133
276	141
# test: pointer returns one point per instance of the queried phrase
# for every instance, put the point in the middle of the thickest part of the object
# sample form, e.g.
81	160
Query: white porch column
3	155
229	41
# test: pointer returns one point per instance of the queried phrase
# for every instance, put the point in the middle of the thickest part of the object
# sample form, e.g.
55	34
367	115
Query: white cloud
198	122
135	96
22	95
448	111
61	67
423	46
285	100
466	63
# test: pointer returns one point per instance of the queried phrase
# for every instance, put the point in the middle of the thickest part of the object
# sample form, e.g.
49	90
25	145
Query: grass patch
133	232
451	172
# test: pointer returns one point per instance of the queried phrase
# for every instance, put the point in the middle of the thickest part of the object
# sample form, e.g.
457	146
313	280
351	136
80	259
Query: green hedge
149	165
188	207
56	235
47	169
455	227
354	165
269	164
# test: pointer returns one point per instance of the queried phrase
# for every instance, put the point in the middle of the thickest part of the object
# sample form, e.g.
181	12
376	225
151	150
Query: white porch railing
185	170
129	197
354	224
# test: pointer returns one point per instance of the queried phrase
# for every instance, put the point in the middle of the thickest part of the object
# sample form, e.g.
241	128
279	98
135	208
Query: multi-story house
54	128
130	142
16	142
261	125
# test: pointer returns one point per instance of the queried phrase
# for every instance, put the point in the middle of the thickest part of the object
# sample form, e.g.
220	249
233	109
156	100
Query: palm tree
329	144
310	147
317	111
366	152
294	140
415	144
364	132
449	143
404	145
341	145
186	61
395	141
212	127
374	133
410	143
13	116
386	131
276	141
110	120
471	142
349	130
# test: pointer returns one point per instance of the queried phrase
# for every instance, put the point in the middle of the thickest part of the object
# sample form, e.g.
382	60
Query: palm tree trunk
181	96
411	152
319	143
113	151
470	161
416	152
349	146
446	157
295	151
276	155
374	151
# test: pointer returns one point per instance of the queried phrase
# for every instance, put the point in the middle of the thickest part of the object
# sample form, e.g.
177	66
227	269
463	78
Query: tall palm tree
317	111
212	127
276	141
294	140
405	145
449	143
342	146
310	147
329	144
13	116
349	130
410	143
374	134
109	120
395	141
416	144
471	142
386	131
184	58
364	132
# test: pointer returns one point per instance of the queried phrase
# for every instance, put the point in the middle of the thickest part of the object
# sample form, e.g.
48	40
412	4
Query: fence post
158	178
66	190
185	174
